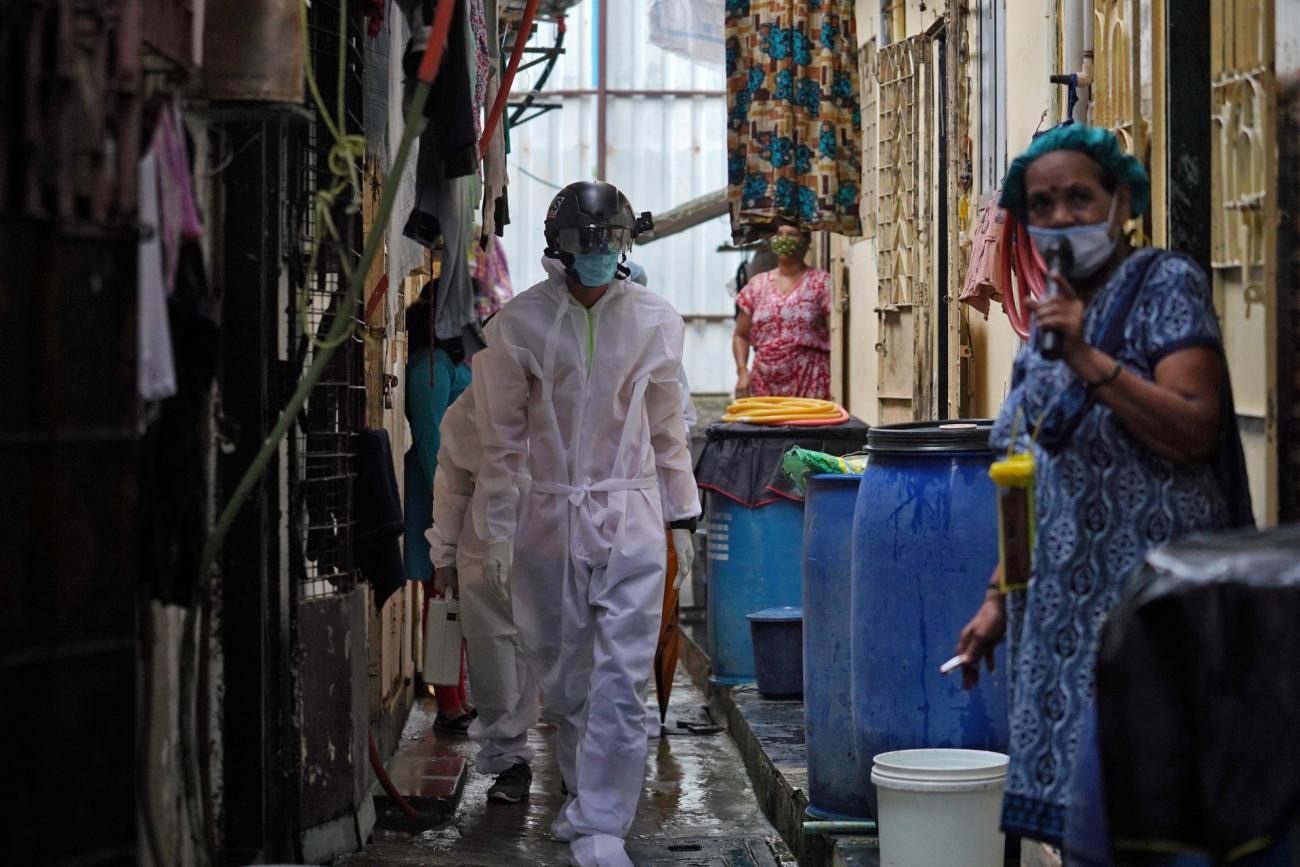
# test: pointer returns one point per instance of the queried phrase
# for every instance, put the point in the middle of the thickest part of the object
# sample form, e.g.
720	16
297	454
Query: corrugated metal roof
662	151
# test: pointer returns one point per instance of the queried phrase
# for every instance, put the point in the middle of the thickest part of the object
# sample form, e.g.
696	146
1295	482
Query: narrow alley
698	806
405	403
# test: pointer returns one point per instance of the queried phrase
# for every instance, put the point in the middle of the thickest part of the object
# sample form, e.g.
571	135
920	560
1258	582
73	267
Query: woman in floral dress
783	314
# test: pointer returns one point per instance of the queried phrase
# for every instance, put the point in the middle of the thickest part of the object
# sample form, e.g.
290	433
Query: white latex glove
685	556
446	578
496	566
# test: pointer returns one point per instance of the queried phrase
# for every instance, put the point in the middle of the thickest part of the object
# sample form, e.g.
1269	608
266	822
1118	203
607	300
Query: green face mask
788	245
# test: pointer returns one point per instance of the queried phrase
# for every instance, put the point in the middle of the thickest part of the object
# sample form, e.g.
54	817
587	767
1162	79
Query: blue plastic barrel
753	563
837	785
925	543
778	651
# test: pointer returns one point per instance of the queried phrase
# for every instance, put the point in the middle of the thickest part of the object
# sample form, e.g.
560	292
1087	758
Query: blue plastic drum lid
753	563
784	614
925	543
837	784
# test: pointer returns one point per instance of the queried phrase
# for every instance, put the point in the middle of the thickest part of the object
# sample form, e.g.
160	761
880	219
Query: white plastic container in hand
940	807
442	639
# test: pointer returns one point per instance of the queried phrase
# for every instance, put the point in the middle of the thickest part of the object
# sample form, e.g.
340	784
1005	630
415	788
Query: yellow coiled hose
783	410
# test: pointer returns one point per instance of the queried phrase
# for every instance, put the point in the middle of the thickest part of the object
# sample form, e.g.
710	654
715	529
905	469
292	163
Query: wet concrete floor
697	807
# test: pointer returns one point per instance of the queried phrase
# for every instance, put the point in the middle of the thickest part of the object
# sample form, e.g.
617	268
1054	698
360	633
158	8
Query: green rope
339	330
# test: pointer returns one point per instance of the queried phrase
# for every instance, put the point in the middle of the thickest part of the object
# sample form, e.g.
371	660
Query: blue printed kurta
1103	501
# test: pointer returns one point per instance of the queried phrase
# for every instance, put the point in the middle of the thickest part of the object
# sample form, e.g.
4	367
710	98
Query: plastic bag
800	463
693	29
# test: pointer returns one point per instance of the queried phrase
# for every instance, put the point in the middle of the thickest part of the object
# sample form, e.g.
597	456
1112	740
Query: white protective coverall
580	416
501	682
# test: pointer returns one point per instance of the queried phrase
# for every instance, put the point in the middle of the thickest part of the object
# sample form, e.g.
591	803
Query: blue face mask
1091	246
595	269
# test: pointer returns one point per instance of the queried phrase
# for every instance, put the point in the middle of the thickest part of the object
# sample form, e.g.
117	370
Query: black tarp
743	461
1198	695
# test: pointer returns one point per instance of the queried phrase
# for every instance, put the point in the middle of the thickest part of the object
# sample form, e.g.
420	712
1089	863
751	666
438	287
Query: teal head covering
1095	142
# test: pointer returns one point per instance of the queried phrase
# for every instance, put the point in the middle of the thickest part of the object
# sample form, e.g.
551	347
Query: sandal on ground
458	726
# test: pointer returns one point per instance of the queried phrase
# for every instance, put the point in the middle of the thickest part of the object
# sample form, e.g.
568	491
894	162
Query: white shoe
599	850
561	829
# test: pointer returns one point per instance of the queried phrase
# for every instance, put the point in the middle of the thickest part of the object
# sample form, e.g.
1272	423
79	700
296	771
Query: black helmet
591	217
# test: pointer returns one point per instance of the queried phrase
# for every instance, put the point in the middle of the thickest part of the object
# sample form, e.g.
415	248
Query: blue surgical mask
595	269
1091	246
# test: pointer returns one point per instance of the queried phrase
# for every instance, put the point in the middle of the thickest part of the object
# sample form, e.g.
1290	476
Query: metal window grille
870	138
323	448
902	96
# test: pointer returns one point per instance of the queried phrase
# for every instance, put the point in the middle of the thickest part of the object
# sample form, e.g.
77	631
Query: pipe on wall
1077	27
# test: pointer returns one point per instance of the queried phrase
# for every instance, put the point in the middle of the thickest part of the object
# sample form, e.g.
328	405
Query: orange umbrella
669	637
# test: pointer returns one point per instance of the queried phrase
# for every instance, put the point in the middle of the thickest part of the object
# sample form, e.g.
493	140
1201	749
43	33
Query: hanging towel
982	284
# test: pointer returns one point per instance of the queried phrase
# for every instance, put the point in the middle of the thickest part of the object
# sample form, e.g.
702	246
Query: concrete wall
861	336
1031	101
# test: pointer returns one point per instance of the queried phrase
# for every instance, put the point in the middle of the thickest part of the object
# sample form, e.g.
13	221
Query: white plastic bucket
940	807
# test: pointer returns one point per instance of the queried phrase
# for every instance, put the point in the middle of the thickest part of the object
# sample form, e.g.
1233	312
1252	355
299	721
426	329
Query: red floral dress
790	335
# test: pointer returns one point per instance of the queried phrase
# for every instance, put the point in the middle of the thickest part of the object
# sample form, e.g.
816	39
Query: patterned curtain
794	127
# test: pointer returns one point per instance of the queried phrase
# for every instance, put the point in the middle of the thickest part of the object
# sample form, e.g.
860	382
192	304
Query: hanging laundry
174	450
446	181
155	366
374	12
495	215
375	83
482	57
178	213
794	127
451	108
982	284
492	287
405	254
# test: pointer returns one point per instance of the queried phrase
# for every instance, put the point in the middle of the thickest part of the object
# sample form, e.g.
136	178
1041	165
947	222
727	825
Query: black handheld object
1059	257
645	223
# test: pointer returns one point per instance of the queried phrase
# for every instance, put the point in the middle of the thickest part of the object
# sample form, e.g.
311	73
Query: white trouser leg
555	633
612	753
590	639
506	711
500	679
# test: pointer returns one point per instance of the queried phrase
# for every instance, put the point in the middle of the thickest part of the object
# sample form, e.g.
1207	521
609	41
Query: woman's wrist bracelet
1108	378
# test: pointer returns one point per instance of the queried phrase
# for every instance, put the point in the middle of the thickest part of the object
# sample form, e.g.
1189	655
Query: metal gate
1244	257
904	240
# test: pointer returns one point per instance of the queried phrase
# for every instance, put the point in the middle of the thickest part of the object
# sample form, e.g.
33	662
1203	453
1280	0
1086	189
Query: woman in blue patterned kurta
1136	446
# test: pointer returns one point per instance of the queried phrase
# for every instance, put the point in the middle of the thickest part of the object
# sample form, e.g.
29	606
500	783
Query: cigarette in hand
952	664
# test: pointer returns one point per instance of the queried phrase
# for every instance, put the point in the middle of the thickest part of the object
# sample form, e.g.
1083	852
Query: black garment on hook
377	511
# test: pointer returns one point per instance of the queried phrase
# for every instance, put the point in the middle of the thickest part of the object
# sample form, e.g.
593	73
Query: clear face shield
595	240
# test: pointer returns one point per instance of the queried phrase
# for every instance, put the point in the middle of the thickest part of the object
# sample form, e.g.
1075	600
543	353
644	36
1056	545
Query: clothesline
523	171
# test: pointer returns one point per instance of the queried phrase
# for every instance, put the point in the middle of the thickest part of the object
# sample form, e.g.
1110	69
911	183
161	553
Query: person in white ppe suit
502	685
584	462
